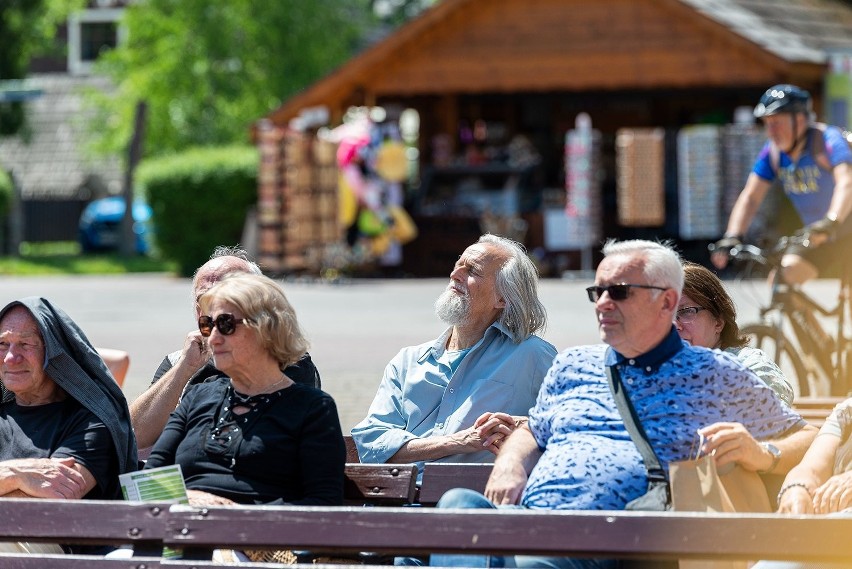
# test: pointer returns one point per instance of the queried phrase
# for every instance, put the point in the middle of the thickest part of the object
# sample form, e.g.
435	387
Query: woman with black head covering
64	424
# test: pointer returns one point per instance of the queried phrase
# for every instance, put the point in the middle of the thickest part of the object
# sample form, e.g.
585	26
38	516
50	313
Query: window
90	33
97	36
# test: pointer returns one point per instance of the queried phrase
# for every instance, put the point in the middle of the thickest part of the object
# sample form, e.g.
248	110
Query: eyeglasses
225	323
687	314
616	292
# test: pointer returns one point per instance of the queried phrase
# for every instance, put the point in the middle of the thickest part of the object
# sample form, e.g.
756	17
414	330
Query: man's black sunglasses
616	292
225	323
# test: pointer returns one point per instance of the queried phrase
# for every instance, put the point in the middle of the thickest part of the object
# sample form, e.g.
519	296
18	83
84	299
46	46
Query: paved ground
355	328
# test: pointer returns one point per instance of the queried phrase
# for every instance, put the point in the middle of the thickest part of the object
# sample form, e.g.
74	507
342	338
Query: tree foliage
27	27
209	68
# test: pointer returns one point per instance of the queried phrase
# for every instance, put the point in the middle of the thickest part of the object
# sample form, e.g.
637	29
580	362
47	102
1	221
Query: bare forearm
793	448
520	448
150	412
9	481
433	448
45	478
841	201
516	460
818	464
747	205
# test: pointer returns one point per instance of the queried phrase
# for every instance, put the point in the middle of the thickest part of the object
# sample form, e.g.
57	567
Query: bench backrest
816	409
380	484
351	449
613	534
641	535
438	477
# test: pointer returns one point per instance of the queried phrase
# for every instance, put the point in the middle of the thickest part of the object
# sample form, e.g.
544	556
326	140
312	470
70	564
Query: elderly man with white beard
457	398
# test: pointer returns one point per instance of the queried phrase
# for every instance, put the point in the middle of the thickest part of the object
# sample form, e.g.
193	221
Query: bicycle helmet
783	99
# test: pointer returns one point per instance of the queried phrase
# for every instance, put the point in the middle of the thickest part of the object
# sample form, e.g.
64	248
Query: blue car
100	225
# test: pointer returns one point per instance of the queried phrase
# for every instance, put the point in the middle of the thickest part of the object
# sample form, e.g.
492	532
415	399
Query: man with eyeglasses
193	363
455	399
575	452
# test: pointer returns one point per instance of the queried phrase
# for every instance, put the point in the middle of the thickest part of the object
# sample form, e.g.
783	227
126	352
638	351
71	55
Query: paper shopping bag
697	486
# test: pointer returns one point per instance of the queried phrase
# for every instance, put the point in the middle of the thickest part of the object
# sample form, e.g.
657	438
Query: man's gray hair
240	262
663	265
517	283
239	253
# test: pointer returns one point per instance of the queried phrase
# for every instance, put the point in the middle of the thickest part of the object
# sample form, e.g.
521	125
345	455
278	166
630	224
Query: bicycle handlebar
770	256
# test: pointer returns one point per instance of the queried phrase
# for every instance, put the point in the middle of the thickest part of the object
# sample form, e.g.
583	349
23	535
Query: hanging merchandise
391	161
373	162
583	206
741	143
640	186
699	182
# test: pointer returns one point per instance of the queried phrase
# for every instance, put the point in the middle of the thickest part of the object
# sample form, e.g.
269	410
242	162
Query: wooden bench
83	522
815	410
351	449
380	484
418	531
410	531
438	477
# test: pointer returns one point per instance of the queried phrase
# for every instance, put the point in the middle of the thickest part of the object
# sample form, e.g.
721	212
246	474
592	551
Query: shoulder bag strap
634	427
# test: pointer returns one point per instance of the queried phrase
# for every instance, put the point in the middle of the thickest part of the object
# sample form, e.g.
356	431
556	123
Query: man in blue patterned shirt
575	452
455	399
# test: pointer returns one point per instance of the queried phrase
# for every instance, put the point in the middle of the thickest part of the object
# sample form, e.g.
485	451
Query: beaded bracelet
793	485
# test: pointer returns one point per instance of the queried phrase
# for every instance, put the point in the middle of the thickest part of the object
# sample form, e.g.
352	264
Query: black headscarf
75	366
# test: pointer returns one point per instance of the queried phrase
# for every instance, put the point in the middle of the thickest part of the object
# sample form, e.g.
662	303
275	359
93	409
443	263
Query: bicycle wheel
768	339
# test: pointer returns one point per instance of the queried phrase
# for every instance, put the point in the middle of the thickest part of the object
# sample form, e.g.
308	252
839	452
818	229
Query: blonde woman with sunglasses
253	435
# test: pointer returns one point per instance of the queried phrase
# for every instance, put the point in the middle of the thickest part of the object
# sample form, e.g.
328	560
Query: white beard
452	308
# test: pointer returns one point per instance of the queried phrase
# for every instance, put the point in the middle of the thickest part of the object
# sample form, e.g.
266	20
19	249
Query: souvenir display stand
297	201
640	163
699	186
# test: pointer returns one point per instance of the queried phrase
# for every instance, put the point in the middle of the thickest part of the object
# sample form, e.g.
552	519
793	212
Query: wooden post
134	153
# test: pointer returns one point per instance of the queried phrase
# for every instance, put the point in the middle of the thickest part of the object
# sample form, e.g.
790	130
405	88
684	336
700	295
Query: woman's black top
288	449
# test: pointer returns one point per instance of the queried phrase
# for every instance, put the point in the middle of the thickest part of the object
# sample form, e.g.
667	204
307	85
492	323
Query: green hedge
5	193
199	198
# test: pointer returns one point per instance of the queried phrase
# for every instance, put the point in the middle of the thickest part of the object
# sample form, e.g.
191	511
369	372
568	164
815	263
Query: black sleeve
87	440
322	454
305	372
165	366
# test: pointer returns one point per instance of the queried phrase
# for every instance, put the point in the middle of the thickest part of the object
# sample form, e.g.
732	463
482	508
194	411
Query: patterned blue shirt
589	460
420	396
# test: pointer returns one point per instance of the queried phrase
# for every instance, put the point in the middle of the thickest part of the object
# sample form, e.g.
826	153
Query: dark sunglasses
616	292
225	323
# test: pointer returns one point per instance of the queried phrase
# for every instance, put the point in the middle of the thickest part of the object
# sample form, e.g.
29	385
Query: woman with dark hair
707	317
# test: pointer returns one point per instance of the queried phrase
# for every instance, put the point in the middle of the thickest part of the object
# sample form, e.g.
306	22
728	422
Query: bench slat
351	449
380	484
438	477
81	521
23	561
817	402
598	534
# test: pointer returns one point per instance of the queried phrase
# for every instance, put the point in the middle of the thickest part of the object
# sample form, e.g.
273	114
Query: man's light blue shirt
420	396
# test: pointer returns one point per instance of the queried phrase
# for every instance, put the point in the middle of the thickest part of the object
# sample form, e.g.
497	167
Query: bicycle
819	361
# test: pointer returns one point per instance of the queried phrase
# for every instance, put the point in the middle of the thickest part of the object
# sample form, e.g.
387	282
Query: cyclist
813	164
